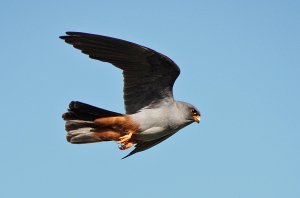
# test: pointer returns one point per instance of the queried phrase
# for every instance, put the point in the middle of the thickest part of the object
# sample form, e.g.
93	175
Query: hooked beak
197	118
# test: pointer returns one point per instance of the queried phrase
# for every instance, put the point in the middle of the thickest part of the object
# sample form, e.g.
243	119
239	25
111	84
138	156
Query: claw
126	146
125	138
125	141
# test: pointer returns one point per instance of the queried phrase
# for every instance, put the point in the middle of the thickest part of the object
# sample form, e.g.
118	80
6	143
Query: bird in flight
152	114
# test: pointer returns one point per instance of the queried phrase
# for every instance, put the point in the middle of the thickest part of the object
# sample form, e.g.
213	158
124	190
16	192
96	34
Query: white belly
153	133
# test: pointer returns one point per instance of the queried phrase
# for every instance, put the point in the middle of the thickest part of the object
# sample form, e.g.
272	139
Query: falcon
152	114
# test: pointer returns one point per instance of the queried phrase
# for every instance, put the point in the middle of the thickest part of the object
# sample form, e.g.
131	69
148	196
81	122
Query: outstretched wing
149	76
146	145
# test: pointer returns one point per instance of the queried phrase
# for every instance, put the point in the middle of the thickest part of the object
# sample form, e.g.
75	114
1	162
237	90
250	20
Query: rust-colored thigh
119	123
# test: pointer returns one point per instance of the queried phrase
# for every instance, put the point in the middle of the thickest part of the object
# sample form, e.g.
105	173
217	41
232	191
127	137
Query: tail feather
76	136
83	138
81	111
80	125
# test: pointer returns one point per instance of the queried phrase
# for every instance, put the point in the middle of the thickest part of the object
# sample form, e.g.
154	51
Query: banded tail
87	124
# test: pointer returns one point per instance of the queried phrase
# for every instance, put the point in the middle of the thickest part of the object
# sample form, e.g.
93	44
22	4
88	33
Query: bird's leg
123	125
125	138
125	141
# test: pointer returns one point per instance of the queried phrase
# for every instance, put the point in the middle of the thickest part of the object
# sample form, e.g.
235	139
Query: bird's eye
194	112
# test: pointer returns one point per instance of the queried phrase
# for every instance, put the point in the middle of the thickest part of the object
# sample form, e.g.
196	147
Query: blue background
240	63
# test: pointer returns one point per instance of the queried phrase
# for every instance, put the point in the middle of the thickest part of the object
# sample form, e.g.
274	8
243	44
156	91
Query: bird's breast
155	123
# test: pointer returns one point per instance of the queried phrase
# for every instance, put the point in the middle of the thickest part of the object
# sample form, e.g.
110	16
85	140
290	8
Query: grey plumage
149	77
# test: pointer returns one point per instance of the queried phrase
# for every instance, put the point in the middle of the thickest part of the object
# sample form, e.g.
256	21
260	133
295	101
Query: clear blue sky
240	63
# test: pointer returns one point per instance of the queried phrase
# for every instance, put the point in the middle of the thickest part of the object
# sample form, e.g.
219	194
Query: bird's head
190	112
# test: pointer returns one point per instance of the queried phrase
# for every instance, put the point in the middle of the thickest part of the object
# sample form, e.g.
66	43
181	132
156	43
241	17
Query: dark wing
146	145
149	76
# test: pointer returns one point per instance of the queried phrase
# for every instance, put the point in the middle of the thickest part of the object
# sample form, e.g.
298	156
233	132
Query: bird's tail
82	126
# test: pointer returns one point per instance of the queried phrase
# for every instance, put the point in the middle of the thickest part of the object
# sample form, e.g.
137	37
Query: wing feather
146	145
149	76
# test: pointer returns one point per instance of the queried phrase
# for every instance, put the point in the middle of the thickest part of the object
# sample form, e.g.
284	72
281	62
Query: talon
126	141
126	146
125	138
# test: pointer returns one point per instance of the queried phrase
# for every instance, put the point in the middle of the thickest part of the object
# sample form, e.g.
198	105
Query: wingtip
68	34
129	154
125	156
63	37
74	33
